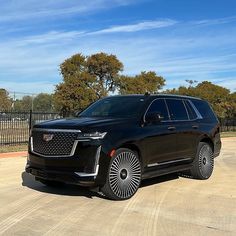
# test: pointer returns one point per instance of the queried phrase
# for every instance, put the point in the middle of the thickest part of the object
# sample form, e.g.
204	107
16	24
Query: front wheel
204	162
124	175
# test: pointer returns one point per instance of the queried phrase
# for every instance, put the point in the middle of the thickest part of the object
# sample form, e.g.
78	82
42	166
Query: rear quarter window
192	114
205	110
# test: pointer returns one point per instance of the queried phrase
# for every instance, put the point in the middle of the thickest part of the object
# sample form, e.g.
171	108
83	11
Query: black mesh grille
60	145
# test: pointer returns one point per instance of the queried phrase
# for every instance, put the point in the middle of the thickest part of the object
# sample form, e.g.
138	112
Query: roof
159	95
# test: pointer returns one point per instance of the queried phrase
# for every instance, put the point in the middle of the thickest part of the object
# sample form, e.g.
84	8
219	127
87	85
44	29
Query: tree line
88	78
43	102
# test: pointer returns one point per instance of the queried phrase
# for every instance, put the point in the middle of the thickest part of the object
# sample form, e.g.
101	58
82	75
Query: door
160	138
186	128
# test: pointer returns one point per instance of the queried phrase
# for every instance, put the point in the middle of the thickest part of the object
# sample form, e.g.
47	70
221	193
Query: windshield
115	107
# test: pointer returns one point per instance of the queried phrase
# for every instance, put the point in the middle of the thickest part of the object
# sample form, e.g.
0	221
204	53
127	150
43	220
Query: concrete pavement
168	205
13	154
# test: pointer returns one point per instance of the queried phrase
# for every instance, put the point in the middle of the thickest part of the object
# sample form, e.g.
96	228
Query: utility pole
32	104
14	100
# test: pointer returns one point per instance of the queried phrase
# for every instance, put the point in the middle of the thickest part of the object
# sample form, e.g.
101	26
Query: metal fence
228	125
15	126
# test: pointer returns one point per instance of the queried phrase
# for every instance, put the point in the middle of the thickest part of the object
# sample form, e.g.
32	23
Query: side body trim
167	162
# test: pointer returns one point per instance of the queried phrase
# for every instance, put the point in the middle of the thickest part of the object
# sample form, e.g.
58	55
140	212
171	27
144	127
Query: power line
23	93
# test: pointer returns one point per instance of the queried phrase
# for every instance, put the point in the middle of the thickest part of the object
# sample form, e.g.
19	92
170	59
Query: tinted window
204	109
115	107
177	109
192	114
159	106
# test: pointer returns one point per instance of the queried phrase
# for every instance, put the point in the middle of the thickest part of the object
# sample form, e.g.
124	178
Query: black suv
120	140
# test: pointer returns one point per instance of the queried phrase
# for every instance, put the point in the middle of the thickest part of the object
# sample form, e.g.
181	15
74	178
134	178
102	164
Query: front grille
61	144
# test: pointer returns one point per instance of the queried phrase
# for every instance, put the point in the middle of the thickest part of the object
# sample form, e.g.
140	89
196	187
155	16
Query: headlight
94	135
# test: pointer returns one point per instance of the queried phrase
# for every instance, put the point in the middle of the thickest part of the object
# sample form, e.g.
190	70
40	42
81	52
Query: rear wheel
124	175
204	162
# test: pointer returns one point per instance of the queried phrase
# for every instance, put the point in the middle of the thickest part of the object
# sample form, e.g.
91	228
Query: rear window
177	109
204	109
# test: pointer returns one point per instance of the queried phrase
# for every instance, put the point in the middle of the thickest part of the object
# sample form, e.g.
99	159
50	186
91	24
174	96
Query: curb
13	154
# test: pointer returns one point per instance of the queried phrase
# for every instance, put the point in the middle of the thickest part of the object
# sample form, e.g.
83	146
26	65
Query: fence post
30	121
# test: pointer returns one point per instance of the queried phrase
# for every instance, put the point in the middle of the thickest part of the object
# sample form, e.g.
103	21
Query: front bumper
77	178
80	169
61	155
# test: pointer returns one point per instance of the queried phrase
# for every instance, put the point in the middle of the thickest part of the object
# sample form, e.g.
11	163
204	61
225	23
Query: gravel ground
168	205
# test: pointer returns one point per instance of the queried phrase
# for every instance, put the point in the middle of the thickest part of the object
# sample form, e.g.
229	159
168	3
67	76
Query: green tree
43	102
18	105
105	68
231	109
73	66
24	104
217	96
86	79
73	94
139	84
6	101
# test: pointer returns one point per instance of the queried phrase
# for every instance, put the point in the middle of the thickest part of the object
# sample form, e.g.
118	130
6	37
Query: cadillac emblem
47	137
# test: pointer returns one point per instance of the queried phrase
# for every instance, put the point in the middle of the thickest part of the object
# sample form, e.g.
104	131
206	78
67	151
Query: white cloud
218	21
177	54
161	54
62	36
229	82
52	36
27	9
145	25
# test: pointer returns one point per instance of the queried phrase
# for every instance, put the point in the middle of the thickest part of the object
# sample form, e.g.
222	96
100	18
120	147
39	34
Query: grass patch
13	148
228	134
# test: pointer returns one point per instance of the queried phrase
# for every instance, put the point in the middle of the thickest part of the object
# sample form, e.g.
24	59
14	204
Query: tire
50	183
203	164
124	175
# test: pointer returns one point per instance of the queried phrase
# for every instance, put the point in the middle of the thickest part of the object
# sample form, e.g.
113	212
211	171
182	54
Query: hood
82	123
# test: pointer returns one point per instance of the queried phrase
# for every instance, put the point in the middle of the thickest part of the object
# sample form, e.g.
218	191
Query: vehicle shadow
159	179
64	189
75	190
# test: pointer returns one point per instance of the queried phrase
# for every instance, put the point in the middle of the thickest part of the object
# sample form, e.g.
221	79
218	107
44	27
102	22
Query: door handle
171	128
195	126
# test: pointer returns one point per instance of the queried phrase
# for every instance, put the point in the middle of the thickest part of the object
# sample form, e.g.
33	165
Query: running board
168	162
158	172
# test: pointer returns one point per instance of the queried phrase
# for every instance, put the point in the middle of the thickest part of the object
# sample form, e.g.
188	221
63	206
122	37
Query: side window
204	109
192	114
159	106
177	109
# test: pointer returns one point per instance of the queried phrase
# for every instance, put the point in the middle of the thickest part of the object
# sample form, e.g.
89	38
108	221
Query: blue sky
184	39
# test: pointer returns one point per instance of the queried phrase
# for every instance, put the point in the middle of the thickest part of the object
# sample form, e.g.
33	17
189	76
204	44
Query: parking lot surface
169	205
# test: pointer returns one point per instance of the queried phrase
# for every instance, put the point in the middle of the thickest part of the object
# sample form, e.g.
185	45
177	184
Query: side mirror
153	117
